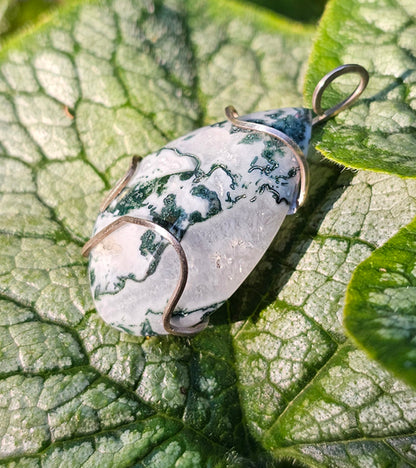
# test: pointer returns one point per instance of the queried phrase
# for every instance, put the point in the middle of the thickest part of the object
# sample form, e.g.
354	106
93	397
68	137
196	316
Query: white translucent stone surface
223	193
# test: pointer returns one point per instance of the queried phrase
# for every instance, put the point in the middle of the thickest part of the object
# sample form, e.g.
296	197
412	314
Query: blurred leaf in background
17	14
299	10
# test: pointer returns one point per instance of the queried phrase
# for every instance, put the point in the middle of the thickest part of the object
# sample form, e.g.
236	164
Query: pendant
181	231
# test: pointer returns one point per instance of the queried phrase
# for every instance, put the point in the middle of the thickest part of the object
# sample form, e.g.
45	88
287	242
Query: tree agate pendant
179	233
223	192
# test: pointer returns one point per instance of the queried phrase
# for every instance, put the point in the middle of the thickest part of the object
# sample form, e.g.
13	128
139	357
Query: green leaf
306	392
380	304
300	10
79	96
16	14
379	131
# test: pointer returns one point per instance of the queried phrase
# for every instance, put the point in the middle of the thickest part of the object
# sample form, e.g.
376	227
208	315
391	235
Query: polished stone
224	193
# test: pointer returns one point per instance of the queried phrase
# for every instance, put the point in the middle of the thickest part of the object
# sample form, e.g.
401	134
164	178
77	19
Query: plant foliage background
276	379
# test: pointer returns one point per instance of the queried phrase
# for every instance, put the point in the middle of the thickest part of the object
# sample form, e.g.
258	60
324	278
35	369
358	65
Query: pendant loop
322	115
232	115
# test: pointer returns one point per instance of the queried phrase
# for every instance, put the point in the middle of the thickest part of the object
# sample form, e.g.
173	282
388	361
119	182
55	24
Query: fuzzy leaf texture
15	14
379	132
274	378
380	306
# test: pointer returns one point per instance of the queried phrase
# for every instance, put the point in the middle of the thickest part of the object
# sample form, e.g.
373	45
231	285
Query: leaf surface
79	96
306	391
16	15
380	305
379	131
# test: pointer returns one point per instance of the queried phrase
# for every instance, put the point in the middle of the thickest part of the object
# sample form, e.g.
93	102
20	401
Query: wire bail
323	84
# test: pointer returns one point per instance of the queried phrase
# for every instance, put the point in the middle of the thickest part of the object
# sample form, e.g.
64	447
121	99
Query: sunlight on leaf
380	304
379	132
79	96
275	378
306	392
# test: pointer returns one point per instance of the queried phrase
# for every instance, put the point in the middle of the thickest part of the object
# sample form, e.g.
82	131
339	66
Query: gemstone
223	192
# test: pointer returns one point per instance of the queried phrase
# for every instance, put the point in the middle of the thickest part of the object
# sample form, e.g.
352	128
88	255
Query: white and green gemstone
223	192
